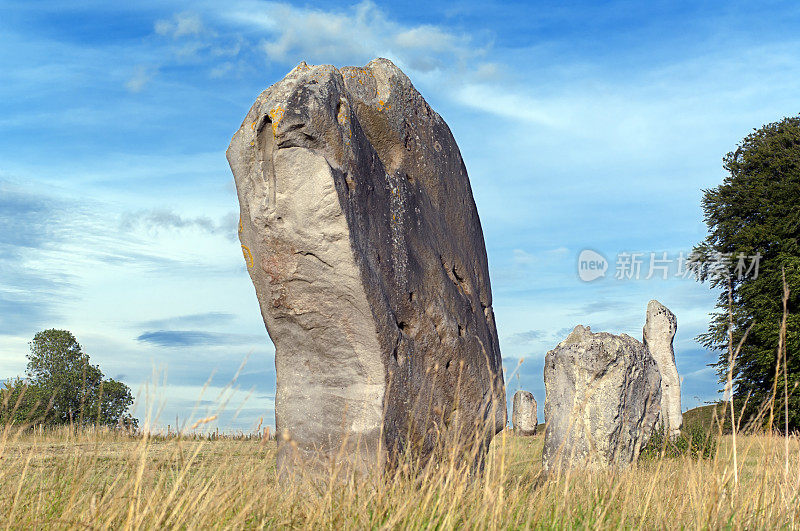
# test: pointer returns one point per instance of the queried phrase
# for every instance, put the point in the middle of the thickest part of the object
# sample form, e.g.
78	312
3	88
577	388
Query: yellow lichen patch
248	256
344	119
276	115
253	126
356	74
241	228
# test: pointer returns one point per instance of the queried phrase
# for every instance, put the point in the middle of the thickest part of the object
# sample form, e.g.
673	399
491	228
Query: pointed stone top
658	313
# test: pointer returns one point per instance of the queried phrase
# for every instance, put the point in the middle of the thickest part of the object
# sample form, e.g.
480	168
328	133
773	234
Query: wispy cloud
352	35
603	305
27	219
197	319
31	227
644	113
165	219
140	78
20	314
526	337
236	38
180	25
541	338
194	338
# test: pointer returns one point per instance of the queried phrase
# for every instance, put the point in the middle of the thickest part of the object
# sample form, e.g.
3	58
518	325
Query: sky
583	125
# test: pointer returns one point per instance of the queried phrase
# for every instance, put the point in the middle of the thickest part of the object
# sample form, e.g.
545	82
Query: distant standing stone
363	242
524	415
659	332
603	394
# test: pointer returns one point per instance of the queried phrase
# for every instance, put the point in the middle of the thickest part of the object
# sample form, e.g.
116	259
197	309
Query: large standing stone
524	414
603	394
659	331
362	240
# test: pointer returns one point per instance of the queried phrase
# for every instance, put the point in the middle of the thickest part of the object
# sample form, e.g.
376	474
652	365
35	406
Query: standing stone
603	394
659	331
524	414
362	240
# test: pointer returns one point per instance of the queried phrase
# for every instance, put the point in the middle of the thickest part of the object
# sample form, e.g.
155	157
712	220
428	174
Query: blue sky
582	124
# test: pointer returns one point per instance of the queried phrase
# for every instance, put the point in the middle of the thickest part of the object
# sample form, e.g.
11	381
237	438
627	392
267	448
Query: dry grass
100	479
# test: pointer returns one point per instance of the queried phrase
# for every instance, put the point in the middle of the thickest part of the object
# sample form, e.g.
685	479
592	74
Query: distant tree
755	212
62	372
63	387
110	403
19	401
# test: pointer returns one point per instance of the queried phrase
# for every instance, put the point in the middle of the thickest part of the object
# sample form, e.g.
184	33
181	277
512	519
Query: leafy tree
19	401
60	369
111	402
63	387
756	212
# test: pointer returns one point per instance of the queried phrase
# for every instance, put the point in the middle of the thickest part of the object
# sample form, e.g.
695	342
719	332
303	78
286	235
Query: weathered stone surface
659	331
603	394
363	242
524	414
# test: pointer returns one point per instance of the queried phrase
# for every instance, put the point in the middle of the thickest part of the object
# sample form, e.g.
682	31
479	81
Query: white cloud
191	37
651	109
429	38
245	32
504	103
165	219
557	252
140	78
181	25
221	70
522	258
488	72
352	36
704	372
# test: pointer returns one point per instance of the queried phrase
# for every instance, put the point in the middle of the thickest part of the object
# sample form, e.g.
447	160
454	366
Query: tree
19	401
62	372
63	387
753	218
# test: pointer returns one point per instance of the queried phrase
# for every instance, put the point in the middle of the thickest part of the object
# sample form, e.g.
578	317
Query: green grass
707	417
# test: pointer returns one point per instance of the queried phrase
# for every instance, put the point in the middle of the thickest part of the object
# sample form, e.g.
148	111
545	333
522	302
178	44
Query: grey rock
658	334
363	242
603	394
524	414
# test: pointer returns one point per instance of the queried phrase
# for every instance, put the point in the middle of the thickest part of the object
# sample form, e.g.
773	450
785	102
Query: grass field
101	479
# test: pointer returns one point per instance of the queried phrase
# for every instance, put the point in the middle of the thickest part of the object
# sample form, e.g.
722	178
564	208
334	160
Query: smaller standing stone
524	415
659	331
603	395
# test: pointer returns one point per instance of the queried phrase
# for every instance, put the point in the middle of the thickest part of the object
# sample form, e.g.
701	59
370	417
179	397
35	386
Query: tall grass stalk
782	348
729	387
